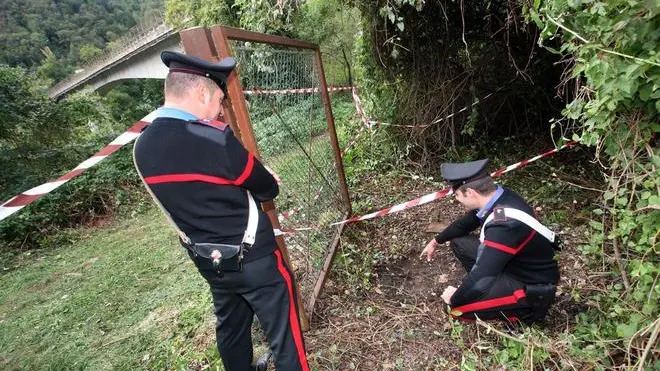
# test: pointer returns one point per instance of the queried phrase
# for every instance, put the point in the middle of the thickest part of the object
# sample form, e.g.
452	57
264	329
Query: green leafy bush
613	47
110	187
41	139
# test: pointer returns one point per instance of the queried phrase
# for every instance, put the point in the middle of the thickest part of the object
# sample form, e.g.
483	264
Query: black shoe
262	362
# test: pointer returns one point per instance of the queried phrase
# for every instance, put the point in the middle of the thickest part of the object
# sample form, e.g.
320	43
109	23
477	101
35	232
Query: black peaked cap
218	72
458	174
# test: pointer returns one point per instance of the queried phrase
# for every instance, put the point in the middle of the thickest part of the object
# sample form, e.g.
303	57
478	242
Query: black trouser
507	298
266	288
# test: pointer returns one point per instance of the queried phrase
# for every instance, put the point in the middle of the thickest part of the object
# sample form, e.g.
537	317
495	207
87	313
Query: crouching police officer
512	271
206	183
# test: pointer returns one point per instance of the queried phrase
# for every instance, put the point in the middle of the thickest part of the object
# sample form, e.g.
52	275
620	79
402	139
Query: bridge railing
132	40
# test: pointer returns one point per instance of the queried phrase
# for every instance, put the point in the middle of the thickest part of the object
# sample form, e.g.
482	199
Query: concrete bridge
136	57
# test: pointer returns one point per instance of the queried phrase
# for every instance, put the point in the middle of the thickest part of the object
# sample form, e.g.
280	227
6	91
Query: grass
123	298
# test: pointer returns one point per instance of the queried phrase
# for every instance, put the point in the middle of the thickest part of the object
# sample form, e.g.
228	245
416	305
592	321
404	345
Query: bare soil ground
397	320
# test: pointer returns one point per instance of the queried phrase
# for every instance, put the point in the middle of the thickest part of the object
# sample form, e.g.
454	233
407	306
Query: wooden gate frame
213	44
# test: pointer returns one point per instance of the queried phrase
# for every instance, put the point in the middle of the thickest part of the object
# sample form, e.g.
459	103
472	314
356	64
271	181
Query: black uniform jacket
199	171
509	247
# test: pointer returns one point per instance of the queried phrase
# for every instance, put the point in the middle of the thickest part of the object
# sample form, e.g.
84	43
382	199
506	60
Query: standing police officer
512	271
206	183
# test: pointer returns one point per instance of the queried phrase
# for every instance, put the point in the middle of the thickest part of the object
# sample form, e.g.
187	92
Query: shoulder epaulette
499	215
214	124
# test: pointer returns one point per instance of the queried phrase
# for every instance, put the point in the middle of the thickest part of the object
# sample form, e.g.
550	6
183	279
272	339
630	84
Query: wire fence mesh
294	140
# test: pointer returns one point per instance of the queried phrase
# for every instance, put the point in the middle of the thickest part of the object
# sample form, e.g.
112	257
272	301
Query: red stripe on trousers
491	303
293	314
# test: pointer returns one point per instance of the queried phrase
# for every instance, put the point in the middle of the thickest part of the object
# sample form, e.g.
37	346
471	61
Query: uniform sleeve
249	172
501	243
460	227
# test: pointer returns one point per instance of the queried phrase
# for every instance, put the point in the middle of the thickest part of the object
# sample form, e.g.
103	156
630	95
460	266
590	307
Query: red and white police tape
360	111
371	123
447	191
424	199
18	202
295	91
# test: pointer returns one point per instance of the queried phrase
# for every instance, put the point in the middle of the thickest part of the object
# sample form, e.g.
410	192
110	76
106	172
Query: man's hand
448	293
429	250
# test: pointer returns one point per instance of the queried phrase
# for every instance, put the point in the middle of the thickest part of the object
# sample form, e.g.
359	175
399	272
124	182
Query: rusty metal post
249	140
331	128
323	275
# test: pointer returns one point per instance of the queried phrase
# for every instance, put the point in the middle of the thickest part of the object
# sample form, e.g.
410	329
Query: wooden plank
197	43
242	35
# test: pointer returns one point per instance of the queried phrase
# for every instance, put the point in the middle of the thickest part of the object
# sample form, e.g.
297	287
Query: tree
53	69
32	32
334	26
613	47
88	52
20	100
31	124
183	13
268	16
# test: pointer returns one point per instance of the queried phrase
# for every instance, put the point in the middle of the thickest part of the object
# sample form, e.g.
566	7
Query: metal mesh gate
293	138
280	106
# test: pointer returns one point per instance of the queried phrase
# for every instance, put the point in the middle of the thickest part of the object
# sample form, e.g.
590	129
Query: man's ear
204	94
470	192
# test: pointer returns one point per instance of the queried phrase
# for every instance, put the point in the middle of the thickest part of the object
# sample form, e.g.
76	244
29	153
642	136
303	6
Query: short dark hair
179	84
483	186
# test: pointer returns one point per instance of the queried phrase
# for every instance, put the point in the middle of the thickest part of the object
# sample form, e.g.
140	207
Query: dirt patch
101	221
399	321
